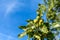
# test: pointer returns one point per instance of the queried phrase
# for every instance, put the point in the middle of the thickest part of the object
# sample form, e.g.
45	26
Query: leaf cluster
37	29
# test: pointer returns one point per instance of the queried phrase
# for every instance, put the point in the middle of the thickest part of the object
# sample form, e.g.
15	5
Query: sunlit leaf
56	25
44	29
37	36
22	35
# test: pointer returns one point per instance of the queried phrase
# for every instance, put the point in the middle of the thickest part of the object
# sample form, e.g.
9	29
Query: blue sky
14	13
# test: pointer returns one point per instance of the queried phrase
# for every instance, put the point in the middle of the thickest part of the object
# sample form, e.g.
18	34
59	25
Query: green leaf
21	35
23	27
30	34
43	7
29	20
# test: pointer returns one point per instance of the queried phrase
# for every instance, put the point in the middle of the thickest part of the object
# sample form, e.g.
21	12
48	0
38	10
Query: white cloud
7	37
11	6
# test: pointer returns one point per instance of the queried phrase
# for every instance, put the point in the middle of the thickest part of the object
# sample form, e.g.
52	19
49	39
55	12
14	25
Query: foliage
38	29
